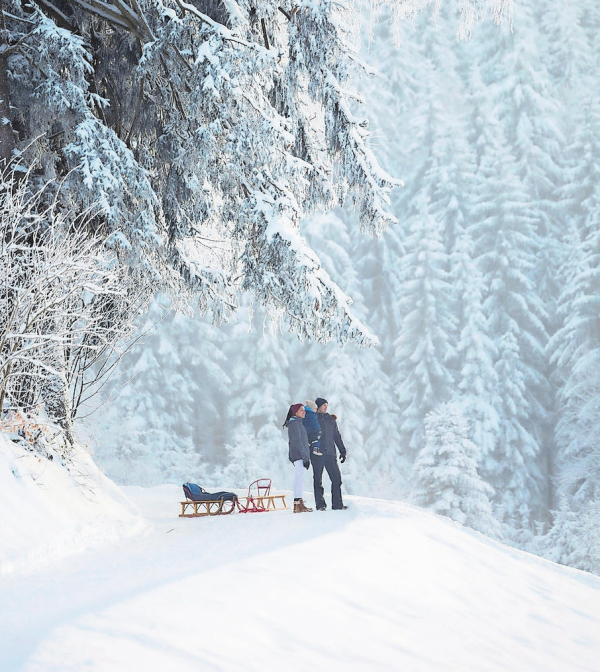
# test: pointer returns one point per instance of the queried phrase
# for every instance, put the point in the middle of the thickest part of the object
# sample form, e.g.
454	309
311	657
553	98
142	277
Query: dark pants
328	462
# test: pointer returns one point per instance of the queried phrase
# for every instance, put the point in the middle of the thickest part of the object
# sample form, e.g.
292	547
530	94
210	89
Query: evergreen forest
482	398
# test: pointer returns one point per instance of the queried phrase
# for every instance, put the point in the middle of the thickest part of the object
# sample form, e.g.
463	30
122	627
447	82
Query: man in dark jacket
330	439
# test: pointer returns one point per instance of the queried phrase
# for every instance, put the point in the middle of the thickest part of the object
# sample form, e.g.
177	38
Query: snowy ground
382	586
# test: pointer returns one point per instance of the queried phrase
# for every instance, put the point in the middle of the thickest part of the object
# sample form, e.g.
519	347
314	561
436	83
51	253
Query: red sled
260	499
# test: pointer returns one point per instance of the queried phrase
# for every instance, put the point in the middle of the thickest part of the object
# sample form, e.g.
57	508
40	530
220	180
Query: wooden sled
260	499
202	503
206	508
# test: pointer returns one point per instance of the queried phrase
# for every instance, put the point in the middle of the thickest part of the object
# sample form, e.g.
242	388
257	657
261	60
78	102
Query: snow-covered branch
175	119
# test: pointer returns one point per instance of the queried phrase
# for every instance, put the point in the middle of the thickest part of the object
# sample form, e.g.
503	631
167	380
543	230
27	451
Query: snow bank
49	511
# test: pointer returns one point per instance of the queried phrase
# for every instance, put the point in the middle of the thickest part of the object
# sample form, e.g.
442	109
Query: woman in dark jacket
299	452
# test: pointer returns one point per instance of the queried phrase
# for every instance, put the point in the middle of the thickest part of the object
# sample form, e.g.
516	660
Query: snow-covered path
382	586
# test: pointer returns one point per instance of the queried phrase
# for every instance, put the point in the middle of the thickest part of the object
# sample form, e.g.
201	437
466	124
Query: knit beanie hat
310	404
295	408
319	401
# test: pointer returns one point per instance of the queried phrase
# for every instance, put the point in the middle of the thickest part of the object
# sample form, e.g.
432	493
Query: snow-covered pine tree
570	58
514	463
424	347
530	109
589	21
476	353
393	92
575	351
441	182
446	478
505	248
387	467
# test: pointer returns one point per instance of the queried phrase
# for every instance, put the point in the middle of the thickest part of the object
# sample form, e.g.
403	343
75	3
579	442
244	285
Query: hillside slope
382	586
49	511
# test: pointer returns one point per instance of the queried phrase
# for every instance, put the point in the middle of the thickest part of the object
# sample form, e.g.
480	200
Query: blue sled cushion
225	496
195	493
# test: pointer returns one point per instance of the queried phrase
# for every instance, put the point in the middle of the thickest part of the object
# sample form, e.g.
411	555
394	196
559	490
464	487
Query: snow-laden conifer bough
205	132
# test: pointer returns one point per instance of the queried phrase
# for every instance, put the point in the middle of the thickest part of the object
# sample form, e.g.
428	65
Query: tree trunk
7	136
57	402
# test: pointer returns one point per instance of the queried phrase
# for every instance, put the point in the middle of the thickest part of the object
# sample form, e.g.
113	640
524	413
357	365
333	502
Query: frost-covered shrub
64	305
445	473
574	538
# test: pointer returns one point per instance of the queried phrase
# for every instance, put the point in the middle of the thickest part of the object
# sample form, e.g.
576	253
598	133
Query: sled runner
260	499
202	503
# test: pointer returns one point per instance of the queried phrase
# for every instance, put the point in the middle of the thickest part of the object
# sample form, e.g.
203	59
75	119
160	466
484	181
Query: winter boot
316	448
299	506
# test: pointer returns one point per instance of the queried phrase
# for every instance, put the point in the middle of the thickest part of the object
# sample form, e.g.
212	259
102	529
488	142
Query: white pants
299	474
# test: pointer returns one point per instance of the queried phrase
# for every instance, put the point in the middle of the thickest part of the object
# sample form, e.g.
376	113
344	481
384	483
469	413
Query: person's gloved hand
342	457
306	464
